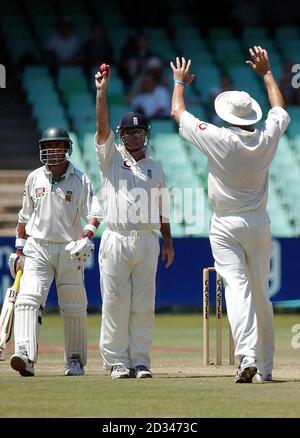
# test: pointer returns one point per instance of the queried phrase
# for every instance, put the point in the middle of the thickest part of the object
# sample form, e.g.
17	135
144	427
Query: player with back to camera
129	246
50	242
239	158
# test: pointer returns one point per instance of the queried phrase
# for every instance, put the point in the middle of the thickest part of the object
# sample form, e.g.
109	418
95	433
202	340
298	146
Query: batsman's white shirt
128	254
52	211
238	168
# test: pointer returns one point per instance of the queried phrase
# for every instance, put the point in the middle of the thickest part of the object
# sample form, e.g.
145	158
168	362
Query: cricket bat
7	313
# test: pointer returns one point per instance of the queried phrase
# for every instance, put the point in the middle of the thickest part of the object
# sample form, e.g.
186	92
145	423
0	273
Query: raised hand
260	60
182	70
102	80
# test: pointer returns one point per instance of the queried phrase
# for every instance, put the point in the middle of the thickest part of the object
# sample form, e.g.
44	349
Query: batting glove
80	250
16	261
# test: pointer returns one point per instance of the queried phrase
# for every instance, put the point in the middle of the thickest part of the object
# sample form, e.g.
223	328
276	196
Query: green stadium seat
110	7
45	121
294	112
199	160
179	21
219	34
158	127
286	33
44	29
117	36
294	128
296	143
198	110
113	20
209	77
88	143
280	226
116	112
255	33
34	72
116	93
167	143
77	157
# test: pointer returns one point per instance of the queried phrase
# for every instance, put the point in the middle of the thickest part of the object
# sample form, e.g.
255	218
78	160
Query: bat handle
19	273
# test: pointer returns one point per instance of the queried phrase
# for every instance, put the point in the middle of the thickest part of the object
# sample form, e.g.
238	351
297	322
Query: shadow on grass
191	377
279	381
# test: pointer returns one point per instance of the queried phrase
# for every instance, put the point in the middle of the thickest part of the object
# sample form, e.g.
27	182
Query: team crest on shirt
149	171
68	196
202	126
126	165
40	192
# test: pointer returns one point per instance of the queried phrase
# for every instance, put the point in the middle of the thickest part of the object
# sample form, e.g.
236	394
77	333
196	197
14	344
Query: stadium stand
38	96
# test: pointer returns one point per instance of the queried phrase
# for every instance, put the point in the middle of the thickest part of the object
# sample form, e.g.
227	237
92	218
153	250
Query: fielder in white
51	243
132	185
239	158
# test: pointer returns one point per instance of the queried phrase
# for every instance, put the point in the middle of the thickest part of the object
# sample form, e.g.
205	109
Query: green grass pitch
181	387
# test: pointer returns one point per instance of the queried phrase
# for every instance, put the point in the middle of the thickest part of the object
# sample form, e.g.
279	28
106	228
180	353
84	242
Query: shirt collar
127	155
243	132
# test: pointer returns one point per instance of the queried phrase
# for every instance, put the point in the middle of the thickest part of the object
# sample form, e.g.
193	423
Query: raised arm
102	116
182	77
260	64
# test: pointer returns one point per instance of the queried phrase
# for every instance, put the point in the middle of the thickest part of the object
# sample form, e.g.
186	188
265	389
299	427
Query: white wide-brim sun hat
238	108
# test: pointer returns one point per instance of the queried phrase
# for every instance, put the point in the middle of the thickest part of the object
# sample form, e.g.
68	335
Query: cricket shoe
246	370
74	367
119	372
21	363
141	372
261	378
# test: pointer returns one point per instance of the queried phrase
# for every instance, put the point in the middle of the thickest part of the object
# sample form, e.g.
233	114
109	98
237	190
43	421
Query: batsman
50	243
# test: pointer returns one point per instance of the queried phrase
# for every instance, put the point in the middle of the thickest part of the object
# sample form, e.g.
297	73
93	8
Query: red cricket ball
104	68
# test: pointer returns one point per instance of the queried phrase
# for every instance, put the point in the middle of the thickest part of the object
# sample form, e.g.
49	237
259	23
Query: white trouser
45	260
241	247
128	264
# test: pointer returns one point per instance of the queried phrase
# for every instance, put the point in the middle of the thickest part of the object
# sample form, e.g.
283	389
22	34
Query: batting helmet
54	134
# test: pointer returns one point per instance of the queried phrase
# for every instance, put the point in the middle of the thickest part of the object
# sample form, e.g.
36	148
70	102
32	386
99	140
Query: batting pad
27	327
73	307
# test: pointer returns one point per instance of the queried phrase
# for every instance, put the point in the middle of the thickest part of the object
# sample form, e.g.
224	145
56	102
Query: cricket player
133	203
239	158
50	242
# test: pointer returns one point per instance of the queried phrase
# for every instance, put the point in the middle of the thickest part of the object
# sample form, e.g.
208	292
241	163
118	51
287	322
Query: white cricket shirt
238	160
134	192
53	211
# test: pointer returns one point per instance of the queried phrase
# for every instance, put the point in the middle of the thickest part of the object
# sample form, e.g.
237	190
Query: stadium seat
213	55
286	33
219	34
210	78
